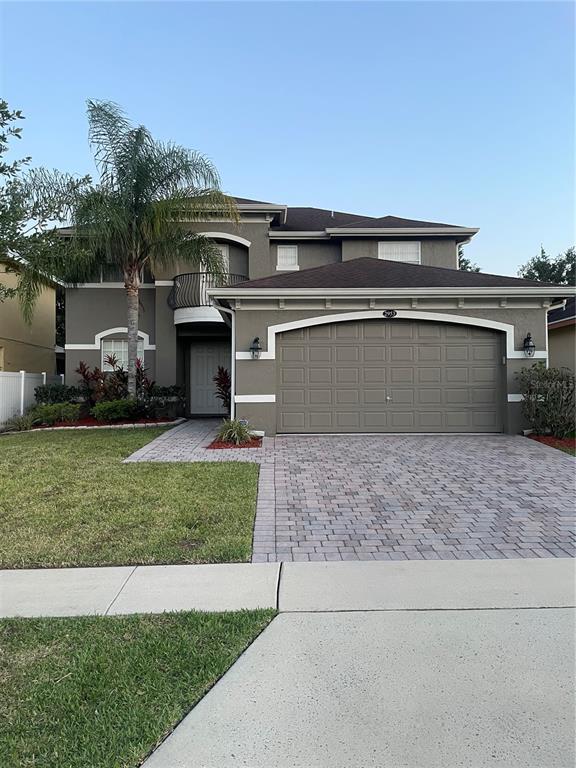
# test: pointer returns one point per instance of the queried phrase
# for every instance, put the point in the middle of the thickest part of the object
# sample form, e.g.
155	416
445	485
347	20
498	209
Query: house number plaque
389	313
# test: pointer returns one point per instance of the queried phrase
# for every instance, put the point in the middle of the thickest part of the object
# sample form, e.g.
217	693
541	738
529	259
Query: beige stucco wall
434	252
26	347
562	347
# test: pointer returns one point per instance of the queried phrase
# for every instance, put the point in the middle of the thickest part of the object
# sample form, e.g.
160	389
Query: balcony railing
190	290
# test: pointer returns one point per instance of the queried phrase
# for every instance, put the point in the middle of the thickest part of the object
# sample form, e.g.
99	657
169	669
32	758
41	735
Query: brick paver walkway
406	497
188	441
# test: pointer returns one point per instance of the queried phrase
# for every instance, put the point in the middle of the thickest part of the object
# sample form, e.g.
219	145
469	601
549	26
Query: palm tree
133	217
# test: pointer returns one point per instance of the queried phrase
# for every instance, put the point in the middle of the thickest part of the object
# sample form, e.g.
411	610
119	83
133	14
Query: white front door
205	357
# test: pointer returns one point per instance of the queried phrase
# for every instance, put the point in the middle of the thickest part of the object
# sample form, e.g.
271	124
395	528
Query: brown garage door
390	376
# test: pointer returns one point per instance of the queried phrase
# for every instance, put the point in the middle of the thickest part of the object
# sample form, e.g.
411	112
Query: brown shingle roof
379	273
394	222
316	219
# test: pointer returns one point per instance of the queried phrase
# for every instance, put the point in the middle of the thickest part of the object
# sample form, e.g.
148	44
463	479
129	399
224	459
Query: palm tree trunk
132	306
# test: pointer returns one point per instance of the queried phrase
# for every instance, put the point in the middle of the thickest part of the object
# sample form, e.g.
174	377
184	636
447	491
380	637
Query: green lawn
102	692
66	499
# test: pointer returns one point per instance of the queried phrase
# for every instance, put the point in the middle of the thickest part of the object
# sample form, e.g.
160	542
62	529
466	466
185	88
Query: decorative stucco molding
440	317
112	332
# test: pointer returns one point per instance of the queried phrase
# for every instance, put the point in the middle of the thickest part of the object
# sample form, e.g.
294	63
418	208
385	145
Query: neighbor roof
368	272
562	315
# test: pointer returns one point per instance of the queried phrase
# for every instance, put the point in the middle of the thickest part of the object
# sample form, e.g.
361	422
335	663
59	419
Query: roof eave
504	291
428	231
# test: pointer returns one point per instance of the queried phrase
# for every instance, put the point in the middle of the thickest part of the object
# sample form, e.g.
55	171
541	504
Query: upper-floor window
287	257
119	348
407	251
225	252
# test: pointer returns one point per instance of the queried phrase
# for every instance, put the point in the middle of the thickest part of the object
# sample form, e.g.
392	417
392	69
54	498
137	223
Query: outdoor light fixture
255	348
529	346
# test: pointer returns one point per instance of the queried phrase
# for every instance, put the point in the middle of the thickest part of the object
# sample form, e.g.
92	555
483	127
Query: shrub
234	431
97	385
548	399
115	410
51	413
56	393
20	423
223	387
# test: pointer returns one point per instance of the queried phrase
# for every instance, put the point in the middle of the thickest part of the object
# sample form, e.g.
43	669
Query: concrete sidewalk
338	586
398	689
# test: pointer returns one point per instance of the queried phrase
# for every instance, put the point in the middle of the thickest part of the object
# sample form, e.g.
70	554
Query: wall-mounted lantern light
529	346
256	348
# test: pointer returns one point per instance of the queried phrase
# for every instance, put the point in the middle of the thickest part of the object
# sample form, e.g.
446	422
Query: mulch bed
556	442
254	443
90	421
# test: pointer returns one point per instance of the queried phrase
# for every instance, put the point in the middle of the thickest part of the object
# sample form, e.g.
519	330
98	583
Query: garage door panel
429	396
374	354
375	396
320	375
401	354
439	378
320	354
347	420
429	354
457	353
374	375
320	397
429	375
293	354
347	354
347	376
456	375
401	375
347	331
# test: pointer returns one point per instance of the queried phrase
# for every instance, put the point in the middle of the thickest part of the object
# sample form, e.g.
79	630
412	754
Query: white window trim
110	332
400	242
292	267
125	341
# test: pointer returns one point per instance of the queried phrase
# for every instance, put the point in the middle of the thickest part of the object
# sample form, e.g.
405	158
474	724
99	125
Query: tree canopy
547	269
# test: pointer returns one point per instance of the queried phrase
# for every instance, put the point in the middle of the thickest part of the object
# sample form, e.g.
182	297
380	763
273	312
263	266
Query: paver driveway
406	497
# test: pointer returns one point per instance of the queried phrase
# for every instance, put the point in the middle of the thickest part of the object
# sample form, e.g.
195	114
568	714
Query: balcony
189	298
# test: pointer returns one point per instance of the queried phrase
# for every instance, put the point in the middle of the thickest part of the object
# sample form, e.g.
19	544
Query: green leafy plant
548	401
234	431
53	413
56	393
116	410
20	423
223	386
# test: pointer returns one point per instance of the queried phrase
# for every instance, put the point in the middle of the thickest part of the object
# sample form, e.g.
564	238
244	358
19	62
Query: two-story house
330	322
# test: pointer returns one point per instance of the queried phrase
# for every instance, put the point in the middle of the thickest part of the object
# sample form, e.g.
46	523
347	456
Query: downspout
232	314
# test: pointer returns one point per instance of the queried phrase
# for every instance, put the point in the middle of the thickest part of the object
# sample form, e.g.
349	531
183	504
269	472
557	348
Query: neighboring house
562	336
26	347
366	325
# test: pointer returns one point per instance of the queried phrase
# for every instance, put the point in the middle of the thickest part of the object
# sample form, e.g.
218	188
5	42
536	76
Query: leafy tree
9	211
25	229
465	264
546	269
133	217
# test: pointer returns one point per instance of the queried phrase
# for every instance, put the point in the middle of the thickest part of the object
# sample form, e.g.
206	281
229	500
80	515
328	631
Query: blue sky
460	112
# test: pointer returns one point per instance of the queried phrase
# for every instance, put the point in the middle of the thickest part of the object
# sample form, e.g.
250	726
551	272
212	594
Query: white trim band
226	236
110	332
515	398
255	398
441	317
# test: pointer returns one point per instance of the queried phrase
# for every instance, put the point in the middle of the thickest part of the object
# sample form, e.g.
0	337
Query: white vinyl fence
17	391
